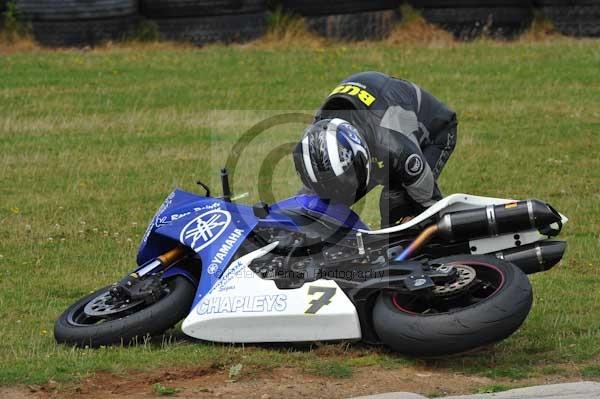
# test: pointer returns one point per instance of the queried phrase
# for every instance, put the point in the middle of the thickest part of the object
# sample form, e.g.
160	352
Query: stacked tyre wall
347	19
578	18
89	22
207	21
468	19
77	22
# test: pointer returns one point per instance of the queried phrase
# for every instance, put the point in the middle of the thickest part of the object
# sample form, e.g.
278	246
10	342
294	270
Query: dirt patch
16	393
207	382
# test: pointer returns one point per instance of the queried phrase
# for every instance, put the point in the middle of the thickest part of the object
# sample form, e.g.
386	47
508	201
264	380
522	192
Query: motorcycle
452	279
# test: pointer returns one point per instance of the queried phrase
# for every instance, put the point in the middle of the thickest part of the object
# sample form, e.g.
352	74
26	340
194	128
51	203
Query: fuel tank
498	219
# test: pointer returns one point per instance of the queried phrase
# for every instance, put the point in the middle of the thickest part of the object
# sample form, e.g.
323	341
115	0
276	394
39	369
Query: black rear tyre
411	328
73	329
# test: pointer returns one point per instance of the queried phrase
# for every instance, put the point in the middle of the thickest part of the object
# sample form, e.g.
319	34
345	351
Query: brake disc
464	278
105	305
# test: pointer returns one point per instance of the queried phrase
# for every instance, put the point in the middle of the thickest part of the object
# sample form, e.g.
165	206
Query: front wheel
487	301
99	319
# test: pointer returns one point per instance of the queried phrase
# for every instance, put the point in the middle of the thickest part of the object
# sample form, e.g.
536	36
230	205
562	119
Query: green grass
492	388
592	371
91	142
162	390
333	369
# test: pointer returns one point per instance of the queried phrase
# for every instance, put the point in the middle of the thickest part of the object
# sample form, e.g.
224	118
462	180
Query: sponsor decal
321	297
158	220
226	281
177	216
155	220
212	268
243	304
214	205
162	220
223	251
414	165
203	230
351	89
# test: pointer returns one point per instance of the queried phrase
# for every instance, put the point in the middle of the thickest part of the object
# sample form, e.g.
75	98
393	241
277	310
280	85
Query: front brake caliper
133	288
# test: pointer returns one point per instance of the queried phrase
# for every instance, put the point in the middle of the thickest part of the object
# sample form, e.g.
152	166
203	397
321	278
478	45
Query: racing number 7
324	299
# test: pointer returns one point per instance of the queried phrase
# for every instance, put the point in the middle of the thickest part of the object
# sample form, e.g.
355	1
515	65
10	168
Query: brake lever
205	187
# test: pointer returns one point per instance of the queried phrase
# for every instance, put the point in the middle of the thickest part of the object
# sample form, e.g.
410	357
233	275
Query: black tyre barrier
543	3
74	10
468	3
82	32
77	22
320	7
189	8
575	20
372	25
467	23
209	29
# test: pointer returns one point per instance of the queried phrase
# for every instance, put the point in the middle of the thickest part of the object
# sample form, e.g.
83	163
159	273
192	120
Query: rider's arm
409	168
437	131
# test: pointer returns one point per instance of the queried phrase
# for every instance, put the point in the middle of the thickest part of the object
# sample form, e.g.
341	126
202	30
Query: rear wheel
487	302
100	319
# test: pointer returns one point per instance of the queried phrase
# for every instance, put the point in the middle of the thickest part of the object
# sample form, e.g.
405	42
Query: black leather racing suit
410	135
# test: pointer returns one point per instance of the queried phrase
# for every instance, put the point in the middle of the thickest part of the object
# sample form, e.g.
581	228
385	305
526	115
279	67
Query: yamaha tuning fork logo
205	229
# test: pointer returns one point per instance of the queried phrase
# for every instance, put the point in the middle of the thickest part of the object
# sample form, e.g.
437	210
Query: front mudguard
185	272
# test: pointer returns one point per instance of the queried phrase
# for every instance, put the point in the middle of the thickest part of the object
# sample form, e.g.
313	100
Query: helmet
333	160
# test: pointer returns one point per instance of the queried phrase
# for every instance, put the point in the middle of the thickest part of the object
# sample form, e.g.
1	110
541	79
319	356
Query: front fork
164	261
135	287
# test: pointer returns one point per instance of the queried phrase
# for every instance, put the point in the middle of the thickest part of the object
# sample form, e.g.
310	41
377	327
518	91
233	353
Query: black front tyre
487	309
75	327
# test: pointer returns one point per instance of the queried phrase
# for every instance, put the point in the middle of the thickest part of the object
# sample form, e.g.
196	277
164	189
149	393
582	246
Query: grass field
91	142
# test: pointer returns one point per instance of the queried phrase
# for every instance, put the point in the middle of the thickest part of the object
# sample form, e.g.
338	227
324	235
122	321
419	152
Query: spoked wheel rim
103	307
465	292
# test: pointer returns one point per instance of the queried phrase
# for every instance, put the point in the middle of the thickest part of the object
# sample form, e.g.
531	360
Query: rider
372	130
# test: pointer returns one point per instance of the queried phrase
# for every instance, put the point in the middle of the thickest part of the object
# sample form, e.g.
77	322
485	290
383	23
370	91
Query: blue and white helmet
334	161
